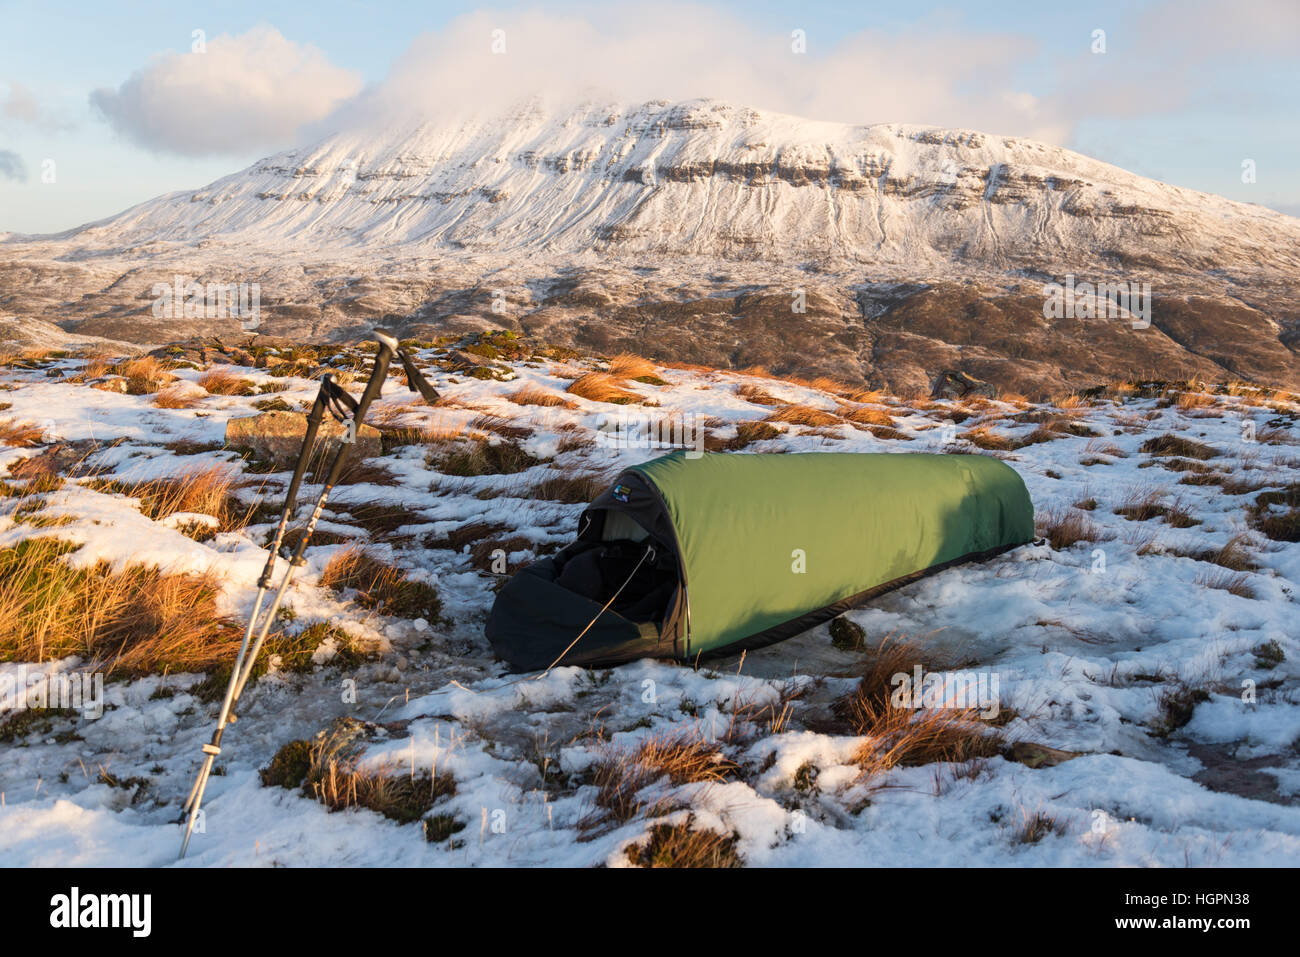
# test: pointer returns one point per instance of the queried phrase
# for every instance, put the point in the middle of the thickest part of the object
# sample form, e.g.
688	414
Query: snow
1083	641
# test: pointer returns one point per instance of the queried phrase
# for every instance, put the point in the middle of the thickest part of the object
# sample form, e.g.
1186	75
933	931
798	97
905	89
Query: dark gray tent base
534	620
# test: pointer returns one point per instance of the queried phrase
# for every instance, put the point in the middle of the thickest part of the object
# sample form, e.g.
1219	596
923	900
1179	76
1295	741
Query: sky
106	105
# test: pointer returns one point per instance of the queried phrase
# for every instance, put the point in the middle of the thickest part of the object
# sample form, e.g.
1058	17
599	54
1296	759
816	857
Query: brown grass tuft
379	585
758	396
331	770
1234	583
985	438
222	380
682	758
803	415
748	432
602	387
1036	827
908	736
1064	528
534	395
865	415
130	621
176	398
625	365
20	434
1170	444
681	845
576	489
207	490
144	375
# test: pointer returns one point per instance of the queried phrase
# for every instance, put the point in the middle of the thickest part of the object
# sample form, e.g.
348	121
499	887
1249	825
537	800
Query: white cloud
12	166
21	105
937	73
248	92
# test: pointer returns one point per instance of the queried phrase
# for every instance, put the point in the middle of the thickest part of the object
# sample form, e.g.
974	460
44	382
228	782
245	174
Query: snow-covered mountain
685	231
711	179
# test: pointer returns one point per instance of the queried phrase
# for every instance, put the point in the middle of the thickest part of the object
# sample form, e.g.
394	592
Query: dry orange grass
335	775
602	387
20	434
41	473
803	415
175	398
206	490
682	758
380	585
354	567
535	395
908	736
1072	403
985	438
690	367
222	380
868	396
684	846
144	375
1187	401
758	396
865	415
489	423
1065	527
96	365
132	620
832	386
439	430
625	365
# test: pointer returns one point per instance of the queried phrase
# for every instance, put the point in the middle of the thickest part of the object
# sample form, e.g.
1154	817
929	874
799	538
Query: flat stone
277	437
1038	755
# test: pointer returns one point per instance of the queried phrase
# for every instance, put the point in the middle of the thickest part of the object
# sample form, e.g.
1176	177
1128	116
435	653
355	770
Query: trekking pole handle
378	373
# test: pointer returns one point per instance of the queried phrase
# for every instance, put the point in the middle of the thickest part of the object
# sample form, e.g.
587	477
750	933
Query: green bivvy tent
731	551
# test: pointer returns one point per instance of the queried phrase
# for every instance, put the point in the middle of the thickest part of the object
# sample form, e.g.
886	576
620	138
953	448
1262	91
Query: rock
953	384
277	437
847	635
109	383
460	359
1038	755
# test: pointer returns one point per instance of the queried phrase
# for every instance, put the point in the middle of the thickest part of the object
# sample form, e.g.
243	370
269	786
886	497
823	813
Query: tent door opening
613	551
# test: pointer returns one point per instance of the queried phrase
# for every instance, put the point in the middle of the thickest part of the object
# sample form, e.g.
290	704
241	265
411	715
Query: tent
698	554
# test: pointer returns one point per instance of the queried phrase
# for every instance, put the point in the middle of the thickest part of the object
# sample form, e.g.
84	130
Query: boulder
954	384
276	437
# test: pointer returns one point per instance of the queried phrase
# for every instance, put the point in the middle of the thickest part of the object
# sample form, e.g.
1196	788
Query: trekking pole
314	418
351	412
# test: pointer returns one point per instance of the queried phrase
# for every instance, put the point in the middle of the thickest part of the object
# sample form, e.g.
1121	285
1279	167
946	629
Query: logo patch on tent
622	493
